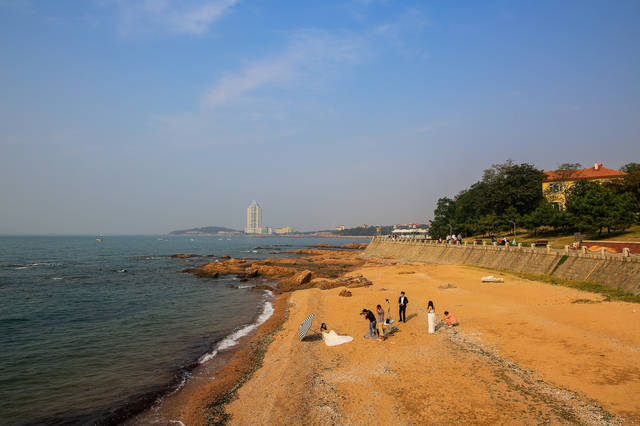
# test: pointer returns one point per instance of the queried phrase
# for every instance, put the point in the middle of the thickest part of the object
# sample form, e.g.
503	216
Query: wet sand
525	352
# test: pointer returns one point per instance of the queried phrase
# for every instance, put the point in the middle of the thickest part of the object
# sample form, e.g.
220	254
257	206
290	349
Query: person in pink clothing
450	319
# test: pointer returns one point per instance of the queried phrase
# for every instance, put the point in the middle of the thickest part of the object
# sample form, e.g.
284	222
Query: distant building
284	230
340	228
254	219
556	183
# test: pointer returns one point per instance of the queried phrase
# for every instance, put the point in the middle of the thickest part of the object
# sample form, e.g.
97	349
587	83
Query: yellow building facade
556	183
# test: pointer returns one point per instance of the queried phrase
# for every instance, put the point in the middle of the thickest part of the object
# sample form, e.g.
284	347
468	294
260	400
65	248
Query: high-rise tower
254	219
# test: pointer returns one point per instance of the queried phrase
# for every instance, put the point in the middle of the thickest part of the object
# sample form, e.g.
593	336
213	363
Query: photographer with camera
373	331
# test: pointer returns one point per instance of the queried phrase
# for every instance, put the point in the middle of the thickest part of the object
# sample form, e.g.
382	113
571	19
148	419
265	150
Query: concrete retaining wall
614	270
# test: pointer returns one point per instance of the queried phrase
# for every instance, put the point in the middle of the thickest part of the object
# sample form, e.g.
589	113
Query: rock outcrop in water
352	246
323	269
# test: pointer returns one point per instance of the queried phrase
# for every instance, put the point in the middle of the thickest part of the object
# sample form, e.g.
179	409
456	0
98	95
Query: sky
146	116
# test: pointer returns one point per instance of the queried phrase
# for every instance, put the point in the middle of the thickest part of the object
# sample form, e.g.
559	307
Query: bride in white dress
332	338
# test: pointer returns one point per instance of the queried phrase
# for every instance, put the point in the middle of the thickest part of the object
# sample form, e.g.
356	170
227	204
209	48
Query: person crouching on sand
368	315
450	319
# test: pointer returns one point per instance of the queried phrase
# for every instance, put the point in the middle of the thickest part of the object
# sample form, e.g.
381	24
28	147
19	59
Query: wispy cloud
310	57
186	17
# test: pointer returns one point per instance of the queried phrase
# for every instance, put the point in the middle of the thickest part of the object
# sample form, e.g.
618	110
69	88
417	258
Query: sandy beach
524	352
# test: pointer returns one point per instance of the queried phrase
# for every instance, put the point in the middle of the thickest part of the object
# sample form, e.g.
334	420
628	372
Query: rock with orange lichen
307	251
251	272
353	281
296	282
321	271
357	246
213	269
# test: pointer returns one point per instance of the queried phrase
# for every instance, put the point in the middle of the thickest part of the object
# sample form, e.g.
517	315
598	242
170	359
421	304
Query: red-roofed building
556	183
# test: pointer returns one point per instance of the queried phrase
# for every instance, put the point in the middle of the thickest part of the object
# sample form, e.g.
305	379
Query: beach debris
345	293
446	286
492	279
305	326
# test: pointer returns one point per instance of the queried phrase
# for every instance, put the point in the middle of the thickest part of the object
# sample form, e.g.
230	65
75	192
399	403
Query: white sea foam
33	265
232	339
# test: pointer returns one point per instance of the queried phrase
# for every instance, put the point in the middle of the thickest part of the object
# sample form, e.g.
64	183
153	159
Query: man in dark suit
402	307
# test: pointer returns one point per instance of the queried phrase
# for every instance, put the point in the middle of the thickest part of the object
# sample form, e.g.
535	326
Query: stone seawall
620	271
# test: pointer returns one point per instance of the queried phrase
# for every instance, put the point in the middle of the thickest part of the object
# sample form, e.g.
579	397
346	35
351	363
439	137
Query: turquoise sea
92	332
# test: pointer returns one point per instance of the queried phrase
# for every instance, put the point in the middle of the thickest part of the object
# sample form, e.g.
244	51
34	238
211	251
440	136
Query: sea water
92	331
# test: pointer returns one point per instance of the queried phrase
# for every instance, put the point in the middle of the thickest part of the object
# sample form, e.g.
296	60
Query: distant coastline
214	231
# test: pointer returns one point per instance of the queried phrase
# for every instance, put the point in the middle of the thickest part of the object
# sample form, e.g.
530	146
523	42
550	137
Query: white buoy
431	319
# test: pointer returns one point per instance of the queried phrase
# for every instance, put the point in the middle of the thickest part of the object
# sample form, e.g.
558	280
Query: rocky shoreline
203	401
321	268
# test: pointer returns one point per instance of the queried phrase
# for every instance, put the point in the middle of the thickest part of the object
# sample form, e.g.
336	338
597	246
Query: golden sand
525	352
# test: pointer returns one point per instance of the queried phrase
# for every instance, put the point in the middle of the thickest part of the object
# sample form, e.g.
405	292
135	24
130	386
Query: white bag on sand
492	279
431	320
334	339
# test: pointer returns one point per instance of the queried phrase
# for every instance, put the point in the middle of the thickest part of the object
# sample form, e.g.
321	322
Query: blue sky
147	116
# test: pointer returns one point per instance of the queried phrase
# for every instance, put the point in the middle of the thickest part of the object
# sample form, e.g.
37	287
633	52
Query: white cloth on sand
333	339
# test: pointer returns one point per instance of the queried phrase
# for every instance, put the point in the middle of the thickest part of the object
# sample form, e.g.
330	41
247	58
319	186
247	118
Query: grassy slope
588	286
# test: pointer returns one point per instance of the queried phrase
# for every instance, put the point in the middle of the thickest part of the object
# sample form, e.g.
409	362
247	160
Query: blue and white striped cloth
305	326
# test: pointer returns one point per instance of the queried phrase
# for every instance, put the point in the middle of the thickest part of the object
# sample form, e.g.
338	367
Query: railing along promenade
582	252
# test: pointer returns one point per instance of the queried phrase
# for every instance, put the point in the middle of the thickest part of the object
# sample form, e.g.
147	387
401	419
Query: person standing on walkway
402	307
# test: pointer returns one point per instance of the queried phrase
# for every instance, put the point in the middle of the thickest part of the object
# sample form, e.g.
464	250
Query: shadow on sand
312	337
410	317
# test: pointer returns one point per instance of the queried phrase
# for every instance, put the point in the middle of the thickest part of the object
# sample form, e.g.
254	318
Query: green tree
443	217
631	184
593	207
630	167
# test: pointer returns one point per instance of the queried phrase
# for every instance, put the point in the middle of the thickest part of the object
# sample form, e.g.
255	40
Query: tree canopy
510	192
506	192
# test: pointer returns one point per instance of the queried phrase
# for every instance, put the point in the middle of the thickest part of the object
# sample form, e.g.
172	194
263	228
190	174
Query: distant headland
207	230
